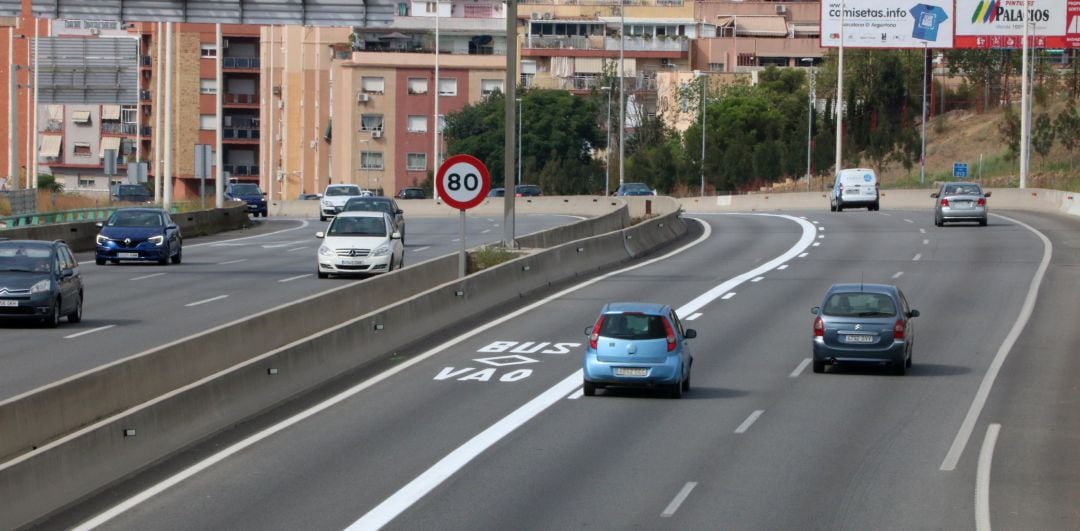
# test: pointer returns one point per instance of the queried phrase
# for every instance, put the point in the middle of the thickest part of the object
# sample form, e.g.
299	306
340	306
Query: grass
488	256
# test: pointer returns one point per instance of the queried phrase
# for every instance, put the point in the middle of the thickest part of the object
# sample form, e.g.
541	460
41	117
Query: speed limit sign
462	181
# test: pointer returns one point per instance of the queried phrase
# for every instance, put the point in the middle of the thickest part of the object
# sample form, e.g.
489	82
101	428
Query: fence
21	201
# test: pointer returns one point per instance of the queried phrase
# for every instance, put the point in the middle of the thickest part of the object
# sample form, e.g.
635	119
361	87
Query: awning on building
109	142
49	146
80	117
56	112
588	65
761	26
110	112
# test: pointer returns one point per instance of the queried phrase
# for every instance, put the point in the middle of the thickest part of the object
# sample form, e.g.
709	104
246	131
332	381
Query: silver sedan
960	202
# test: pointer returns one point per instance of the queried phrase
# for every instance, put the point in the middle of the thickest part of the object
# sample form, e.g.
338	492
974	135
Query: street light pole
607	143
519	142
809	118
704	83
364	175
622	92
922	153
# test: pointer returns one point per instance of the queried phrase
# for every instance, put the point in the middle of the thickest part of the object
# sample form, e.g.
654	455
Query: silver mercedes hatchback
960	202
863	324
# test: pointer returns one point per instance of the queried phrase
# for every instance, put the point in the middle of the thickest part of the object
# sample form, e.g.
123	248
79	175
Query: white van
855	187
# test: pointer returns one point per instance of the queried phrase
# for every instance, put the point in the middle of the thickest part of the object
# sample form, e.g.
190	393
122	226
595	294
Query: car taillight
944	202
595	333
670	335
981	201
819	327
898	329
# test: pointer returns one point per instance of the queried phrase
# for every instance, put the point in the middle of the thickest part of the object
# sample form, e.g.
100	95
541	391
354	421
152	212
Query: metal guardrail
63	216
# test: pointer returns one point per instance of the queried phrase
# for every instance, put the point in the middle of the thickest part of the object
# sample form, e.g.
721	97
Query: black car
411	193
129	193
379	204
497	192
139	234
39	280
527	190
254	199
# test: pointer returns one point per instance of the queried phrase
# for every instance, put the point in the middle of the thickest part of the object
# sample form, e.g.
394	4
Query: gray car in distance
863	324
960	202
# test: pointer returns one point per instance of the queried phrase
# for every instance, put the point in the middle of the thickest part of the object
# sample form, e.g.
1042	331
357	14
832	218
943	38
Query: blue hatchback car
139	234
254	199
864	323
638	345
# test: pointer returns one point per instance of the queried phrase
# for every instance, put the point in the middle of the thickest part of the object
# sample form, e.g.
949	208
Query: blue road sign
960	170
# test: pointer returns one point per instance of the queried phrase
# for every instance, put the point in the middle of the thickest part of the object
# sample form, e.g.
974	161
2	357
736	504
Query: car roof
364	198
635	307
141	209
862	287
361	214
31	243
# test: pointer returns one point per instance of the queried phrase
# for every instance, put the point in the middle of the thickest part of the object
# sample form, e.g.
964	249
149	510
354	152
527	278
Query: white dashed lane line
90	331
917	257
296	249
684	492
798	370
926	242
728	296
424	248
922	231
576	394
908	221
297	277
816	244
898	274
749	421
757	279
233	261
204	301
144	277
782	267
804	255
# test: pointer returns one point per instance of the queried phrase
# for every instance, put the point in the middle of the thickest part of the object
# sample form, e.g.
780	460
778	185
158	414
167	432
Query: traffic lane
1035	399
434	399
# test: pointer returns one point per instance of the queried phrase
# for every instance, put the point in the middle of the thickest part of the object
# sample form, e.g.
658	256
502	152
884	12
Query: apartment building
756	34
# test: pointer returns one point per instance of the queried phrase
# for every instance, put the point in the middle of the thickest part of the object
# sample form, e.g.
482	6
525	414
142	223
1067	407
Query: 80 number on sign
462	181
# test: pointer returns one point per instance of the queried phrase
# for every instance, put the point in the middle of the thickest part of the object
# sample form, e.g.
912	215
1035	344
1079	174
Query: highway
486	427
132	307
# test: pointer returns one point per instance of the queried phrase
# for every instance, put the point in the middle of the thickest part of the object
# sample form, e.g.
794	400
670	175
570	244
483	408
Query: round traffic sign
462	181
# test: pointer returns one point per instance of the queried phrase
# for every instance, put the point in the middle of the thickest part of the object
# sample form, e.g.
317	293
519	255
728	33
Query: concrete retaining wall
41	481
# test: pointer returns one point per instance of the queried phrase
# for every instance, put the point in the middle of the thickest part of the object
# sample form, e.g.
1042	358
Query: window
416	161
371	122
87	182
372	85
448	87
208	122
417	124
208	51
487	86
80	117
429	7
208	86
418	85
82	149
716	67
371	160
128	114
442	123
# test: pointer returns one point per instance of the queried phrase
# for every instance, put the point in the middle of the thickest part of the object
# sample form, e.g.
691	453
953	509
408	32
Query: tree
1009	131
47	181
1068	129
1042	135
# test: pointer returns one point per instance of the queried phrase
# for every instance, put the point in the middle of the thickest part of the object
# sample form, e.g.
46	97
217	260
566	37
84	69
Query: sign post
462	182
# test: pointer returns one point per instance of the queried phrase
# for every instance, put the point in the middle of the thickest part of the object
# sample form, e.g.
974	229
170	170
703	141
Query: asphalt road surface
487	429
132	307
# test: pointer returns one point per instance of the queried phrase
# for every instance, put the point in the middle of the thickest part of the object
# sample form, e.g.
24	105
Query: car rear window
963	189
368	205
343	190
633	326
246	189
860	305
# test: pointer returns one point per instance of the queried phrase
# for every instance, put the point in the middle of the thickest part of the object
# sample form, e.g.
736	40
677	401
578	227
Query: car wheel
179	256
839	207
876	206
832	207
982	222
938	222
323	275
819	366
165	260
99	261
589	388
322	218
686	383
907	363
114	261
900	369
676	390
53	320
76	313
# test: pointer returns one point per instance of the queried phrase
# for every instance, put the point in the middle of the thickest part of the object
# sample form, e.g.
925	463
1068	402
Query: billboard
1000	23
888	23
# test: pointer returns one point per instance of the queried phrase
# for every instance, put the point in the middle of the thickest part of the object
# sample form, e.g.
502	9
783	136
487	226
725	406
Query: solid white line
211	299
576	394
333	401
982	478
416	489
455	240
898	274
803	255
679	499
917	257
926	242
782	267
296	249
90	331
798	370
693	317
297	277
303	223
152	275
424	248
757	279
957	448
749	421
233	261
728	296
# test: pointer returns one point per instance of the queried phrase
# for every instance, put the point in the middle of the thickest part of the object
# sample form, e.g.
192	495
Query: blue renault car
139	234
864	324
254	199
638	345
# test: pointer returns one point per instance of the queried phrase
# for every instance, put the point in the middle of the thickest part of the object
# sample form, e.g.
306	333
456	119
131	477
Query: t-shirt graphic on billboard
927	21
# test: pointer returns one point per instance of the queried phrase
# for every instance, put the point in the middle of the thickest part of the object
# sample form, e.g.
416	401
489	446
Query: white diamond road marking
506	361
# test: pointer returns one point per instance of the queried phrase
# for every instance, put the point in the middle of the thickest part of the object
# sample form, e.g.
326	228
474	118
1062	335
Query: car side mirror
99	224
690	333
913	313
399	211
815	310
264	194
588	330
67	273
172	226
934	195
987	194
395	236
320	234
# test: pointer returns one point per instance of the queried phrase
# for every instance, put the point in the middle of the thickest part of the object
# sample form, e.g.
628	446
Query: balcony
54	126
636	3
588	83
242	170
240	63
230	98
672	44
144	60
116	128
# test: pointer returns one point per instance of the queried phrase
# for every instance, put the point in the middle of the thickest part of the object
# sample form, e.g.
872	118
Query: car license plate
631	371
962	205
9	304
859	339
351	261
127	255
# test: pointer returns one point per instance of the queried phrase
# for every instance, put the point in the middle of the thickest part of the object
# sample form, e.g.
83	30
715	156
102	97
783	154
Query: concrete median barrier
231	389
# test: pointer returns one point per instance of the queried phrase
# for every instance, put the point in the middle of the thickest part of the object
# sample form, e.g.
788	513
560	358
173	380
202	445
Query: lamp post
704	84
922	152
809	116
607	162
363	165
519	142
622	92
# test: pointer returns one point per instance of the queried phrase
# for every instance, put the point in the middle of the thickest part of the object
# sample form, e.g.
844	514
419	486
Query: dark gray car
39	280
863	323
379	204
960	202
